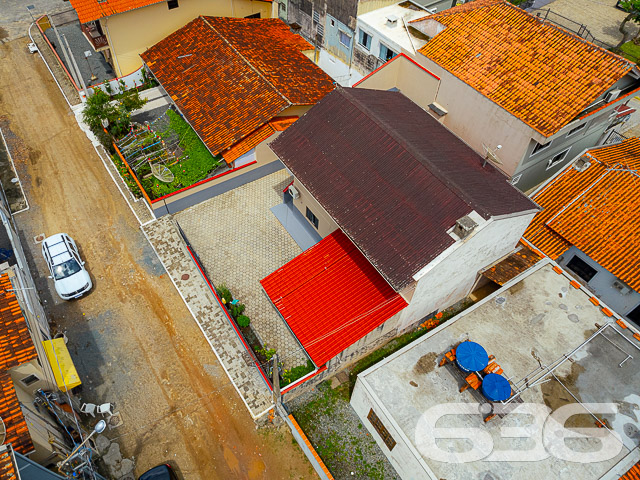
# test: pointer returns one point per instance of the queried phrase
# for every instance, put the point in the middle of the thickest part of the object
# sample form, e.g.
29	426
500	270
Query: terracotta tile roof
389	173
542	74
16	348
512	266
633	473
252	140
89	10
230	76
8	469
331	297
595	210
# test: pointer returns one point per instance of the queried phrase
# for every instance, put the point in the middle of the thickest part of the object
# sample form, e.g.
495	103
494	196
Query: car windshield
66	269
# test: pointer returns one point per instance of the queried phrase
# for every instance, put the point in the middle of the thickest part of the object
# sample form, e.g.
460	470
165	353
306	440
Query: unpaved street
132	338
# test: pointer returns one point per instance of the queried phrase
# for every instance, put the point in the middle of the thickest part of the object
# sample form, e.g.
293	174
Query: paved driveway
240	241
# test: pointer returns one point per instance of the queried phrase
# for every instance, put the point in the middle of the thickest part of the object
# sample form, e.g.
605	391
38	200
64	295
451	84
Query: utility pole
73	73
276	381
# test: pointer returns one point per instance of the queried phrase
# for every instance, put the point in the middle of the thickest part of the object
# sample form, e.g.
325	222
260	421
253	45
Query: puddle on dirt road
9	180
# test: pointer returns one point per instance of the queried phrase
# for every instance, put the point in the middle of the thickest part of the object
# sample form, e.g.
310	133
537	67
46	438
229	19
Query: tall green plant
100	107
632	7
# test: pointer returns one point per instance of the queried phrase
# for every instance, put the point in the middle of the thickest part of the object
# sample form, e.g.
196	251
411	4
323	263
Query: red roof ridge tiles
511	57
231	76
595	210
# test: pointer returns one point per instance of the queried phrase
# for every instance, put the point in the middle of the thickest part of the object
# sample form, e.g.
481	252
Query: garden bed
182	152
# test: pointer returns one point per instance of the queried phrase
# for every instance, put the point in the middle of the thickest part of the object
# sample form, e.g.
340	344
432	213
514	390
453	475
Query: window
345	38
29	380
634	315
333	22
364	39
539	147
516	179
581	268
557	158
255	15
172	4
312	218
386	53
576	129
381	429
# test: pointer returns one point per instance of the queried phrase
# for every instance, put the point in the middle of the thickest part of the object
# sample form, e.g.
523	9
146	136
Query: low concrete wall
168	205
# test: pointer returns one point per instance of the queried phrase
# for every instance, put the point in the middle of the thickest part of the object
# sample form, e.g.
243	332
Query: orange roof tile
16	348
8	469
252	140
512	266
595	210
542	74
633	473
89	10
230	76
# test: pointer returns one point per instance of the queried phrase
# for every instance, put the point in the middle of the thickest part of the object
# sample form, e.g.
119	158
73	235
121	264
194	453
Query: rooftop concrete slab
539	315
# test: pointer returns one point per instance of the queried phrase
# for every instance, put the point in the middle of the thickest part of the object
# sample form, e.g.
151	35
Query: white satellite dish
162	173
491	155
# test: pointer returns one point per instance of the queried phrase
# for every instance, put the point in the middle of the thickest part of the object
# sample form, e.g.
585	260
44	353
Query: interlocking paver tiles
595	210
16	348
230	76
540	73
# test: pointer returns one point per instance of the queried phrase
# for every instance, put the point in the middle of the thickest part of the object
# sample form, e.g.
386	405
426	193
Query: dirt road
132	339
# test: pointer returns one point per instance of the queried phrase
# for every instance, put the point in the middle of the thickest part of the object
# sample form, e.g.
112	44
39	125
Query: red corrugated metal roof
331	297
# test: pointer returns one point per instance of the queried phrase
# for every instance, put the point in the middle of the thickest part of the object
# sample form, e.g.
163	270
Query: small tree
118	113
633	8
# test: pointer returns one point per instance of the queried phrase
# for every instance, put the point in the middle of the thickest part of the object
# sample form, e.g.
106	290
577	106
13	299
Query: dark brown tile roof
512	266
392	177
230	76
16	348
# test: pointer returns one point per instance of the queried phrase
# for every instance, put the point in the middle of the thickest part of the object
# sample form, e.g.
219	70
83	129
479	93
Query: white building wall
406	464
450	277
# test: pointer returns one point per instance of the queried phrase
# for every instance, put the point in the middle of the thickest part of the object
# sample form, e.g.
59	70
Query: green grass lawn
195	163
631	51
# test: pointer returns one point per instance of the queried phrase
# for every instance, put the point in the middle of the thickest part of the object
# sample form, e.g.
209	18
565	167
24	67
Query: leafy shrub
224	293
266	352
237	310
290	376
243	321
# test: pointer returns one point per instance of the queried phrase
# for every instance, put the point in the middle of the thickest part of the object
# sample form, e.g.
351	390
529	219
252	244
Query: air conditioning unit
612	95
621	287
294	192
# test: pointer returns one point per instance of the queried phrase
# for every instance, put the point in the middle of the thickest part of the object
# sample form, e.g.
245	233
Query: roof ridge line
391	131
204	19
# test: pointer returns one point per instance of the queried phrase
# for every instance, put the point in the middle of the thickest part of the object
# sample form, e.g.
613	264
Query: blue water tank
496	388
471	357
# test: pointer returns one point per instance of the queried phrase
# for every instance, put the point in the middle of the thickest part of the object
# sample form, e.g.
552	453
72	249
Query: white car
67	269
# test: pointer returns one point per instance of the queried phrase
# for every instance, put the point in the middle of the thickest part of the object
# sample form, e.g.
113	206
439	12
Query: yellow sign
63	368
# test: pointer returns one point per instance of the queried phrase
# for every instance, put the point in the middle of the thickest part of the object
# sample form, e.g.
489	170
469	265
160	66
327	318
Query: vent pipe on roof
392	21
464	227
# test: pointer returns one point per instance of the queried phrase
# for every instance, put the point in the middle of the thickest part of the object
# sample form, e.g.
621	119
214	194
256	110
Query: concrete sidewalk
168	244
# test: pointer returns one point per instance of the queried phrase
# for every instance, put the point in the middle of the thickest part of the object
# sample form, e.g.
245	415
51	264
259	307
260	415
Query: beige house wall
42	429
365	6
326	224
479	121
131	33
296	110
415	83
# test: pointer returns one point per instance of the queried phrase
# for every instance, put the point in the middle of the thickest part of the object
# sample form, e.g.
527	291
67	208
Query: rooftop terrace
534	320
